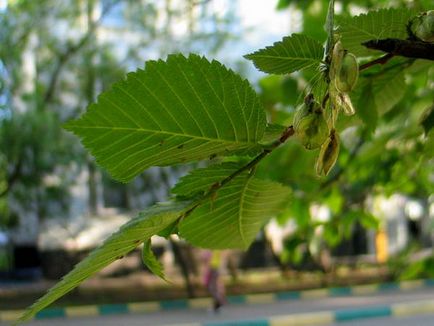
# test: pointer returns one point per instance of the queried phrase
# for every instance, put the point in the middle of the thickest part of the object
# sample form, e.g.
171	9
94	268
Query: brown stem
382	60
287	133
405	48
283	138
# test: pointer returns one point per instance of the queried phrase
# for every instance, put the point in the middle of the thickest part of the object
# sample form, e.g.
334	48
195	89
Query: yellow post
381	246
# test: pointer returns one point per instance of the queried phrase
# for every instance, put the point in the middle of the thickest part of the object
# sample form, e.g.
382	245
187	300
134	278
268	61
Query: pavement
143	286
382	304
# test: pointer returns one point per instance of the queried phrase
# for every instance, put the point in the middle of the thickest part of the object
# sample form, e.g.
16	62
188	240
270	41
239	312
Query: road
238	312
424	320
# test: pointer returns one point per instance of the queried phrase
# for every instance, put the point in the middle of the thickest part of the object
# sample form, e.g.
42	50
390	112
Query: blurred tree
56	56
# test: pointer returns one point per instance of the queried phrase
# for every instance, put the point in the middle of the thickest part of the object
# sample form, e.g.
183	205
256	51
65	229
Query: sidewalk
142	286
398	309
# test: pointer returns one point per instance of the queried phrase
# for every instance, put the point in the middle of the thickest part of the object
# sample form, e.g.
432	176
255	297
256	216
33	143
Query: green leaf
366	108
378	91
151	261
283	4
278	89
366	219
293	249
235	215
174	111
331	234
314	13
316	82
389	88
169	230
369	221
335	201
200	181
293	53
128	237
381	24
427	119
429	146
300	211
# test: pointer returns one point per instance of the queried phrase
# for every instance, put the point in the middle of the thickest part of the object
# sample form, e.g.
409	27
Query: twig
382	60
405	48
13	177
288	132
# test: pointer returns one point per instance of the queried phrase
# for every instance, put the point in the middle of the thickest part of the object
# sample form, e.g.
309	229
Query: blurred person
213	280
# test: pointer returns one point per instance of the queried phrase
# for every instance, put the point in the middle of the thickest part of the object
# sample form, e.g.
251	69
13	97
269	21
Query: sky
261	25
266	22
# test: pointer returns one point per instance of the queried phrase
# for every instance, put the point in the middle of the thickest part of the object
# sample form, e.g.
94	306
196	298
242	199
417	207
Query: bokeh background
370	220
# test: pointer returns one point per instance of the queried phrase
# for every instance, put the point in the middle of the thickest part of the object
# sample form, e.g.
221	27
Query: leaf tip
69	125
248	56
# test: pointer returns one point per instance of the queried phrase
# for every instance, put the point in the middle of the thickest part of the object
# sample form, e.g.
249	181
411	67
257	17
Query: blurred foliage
404	266
423	269
387	146
27	141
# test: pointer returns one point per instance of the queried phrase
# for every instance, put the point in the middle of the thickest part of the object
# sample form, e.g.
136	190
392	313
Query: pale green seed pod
328	154
308	107
341	101
310	125
336	62
346	104
423	26
347	75
334	96
302	112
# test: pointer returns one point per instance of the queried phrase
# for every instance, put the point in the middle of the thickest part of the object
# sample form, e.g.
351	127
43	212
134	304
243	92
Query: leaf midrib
269	56
169	133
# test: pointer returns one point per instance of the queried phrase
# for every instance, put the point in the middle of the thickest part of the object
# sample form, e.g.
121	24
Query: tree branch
70	51
405	48
12	178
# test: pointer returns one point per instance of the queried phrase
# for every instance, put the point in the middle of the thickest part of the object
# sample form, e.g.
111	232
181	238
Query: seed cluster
310	125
